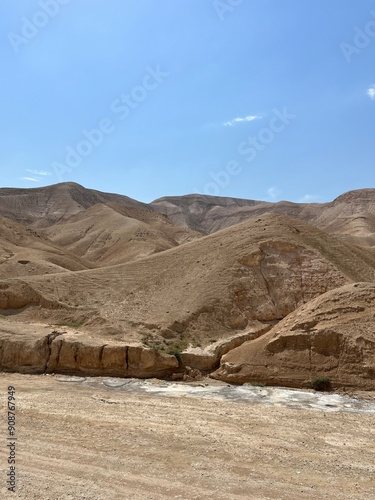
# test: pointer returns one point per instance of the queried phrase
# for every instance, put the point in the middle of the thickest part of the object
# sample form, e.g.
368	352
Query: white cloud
273	192
371	92
38	172
239	119
31	179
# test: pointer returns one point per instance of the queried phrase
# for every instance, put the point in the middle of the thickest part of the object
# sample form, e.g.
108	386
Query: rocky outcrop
209	358
37	349
36	352
19	294
333	335
188	375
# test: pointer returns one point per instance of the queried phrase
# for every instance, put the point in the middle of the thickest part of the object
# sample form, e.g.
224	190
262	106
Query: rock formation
332	335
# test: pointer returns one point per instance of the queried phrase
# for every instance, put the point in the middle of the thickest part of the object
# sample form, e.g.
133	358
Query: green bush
321	384
177	353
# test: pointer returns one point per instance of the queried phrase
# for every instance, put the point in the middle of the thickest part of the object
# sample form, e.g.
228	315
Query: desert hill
108	234
101	228
350	216
97	283
45	206
208	214
332	335
257	271
24	252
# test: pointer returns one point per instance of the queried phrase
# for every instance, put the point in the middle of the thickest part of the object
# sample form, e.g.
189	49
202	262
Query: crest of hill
207	213
45	206
23	252
350	216
211	213
257	271
109	234
332	336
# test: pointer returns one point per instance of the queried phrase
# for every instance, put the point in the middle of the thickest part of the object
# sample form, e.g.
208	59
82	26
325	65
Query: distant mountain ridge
44	206
350	216
100	228
208	214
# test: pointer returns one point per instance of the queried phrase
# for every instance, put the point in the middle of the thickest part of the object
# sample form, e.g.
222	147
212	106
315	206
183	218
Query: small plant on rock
177	353
321	384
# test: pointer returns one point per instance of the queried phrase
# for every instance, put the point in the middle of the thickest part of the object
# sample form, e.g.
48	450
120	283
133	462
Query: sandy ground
82	441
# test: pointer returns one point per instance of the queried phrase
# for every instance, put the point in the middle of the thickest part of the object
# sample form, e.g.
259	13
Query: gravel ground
99	439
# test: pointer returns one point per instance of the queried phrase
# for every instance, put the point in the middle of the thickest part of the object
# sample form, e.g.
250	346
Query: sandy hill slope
333	335
24	252
209	213
44	206
258	271
108	234
350	216
358	229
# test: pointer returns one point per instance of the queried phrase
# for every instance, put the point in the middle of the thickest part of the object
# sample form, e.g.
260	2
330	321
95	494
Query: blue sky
260	99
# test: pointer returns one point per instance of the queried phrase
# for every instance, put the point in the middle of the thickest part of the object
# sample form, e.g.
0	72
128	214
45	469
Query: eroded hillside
118	288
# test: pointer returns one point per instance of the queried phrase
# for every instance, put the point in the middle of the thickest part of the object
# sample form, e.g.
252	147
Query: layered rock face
333	335
36	349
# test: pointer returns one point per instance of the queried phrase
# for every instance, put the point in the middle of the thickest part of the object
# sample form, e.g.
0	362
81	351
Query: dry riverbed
100	438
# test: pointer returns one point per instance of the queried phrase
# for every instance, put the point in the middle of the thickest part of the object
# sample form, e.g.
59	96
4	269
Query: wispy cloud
38	172
31	179
371	92
241	119
273	192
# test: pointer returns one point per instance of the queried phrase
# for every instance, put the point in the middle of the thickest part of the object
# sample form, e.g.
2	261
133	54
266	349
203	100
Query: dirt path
76	441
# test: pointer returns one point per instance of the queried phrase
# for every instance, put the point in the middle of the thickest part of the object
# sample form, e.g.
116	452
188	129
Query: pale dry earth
79	442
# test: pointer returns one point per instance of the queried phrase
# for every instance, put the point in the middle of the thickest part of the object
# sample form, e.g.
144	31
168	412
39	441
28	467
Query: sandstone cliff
333	335
38	349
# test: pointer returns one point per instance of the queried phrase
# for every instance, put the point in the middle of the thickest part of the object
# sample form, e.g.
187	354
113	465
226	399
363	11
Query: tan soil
76	442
